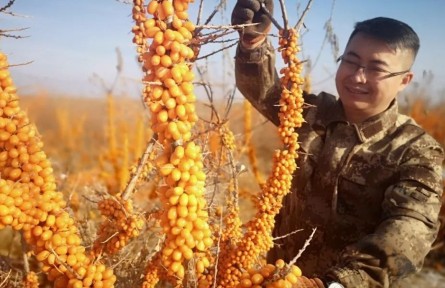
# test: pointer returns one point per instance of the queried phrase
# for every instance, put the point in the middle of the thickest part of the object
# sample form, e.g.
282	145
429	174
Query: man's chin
354	103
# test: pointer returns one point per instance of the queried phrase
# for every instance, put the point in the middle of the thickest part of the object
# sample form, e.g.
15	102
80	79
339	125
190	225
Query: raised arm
257	79
255	73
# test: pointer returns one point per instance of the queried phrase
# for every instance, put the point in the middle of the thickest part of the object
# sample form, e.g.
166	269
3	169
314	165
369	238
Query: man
369	178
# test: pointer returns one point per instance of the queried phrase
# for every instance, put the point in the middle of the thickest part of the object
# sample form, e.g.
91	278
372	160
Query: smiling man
369	178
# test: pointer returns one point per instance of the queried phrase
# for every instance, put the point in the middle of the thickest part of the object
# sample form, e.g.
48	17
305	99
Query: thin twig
132	183
326	37
268	14
109	238
20	64
218	249
201	8
7	5
287	235
300	21
209	93
224	27
300	252
6	278
13	30
229	104
217	51
217	8
284	14
211	37
72	271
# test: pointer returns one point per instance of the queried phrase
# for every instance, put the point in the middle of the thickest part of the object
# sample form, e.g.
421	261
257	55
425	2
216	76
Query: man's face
365	92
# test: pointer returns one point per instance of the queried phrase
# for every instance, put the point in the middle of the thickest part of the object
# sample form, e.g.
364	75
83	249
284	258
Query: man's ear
407	78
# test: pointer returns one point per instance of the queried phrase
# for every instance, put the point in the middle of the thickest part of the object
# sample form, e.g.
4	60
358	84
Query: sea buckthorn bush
201	239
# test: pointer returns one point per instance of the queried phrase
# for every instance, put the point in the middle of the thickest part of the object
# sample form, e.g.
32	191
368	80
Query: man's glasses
372	73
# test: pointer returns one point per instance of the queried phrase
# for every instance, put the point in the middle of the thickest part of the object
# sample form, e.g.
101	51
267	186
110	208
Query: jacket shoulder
410	131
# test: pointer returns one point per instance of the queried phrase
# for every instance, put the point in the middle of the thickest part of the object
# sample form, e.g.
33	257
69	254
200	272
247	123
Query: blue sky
73	43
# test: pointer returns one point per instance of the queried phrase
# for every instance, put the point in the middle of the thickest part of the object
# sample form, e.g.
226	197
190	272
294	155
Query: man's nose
360	74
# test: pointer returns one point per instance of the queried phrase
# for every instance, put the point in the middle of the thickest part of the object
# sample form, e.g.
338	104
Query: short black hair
395	33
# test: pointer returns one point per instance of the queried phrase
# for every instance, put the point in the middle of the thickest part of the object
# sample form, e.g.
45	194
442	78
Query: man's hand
249	12
304	282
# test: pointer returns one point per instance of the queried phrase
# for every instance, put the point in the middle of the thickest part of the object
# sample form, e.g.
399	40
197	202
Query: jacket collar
367	129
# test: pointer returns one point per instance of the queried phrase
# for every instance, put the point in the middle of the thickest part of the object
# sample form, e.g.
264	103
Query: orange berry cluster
152	276
227	137
31	280
29	201
138	29
169	95
271	276
120	226
257	238
292	83
185	220
232	225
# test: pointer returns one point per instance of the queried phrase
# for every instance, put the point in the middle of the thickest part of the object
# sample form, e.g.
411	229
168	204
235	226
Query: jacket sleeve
408	227
257	79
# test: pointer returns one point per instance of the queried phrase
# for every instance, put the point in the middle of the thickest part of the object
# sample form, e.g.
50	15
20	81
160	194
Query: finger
319	283
253	5
304	282
242	16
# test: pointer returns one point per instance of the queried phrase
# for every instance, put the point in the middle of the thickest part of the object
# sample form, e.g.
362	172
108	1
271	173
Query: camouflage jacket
372	190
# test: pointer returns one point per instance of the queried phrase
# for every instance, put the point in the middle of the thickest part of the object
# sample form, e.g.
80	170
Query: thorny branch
284	14
329	36
287	235
143	161
10	3
5	33
209	93
268	14
217	51
217	8
201	7
6	278
300	252
300	21
218	249
71	270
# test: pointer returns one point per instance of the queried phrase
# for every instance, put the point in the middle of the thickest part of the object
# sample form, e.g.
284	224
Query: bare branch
287	235
218	249
217	8
300	252
69	268
10	3
284	14
300	21
132	183
20	64
268	14
6	278
217	51
201	7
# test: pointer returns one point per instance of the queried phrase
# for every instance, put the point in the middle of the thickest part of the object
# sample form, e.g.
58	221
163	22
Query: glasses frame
359	66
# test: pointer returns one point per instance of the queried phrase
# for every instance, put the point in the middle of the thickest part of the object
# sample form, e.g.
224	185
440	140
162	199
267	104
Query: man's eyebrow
376	61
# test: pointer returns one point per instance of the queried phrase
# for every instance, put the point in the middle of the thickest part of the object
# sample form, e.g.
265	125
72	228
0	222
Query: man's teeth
357	90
